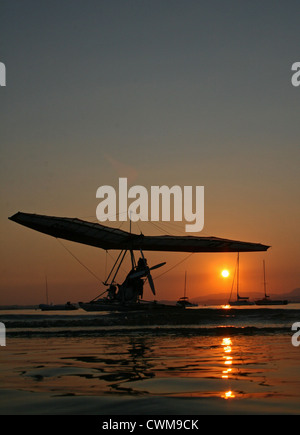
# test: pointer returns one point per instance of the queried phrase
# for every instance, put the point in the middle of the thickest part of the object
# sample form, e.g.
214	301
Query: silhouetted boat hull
266	301
240	303
58	307
185	303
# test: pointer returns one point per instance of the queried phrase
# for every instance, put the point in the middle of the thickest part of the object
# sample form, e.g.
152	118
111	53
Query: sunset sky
163	92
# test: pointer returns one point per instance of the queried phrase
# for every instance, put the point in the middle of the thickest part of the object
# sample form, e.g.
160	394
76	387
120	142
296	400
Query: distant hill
294	295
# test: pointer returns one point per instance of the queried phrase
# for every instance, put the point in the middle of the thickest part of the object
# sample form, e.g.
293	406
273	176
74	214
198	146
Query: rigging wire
80	262
161	229
235	270
173	267
169	225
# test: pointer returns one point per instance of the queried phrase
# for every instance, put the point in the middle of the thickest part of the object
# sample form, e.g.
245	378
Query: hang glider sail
100	236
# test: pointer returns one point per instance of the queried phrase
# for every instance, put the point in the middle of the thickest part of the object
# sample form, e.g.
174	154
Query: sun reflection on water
228	360
228	395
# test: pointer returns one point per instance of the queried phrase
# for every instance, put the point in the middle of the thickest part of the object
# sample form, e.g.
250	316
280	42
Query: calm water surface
75	364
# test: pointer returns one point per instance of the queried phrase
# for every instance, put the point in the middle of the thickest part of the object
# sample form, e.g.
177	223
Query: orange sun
225	273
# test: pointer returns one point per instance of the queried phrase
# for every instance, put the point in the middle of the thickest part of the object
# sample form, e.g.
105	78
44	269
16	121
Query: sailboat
184	301
266	300
61	307
240	300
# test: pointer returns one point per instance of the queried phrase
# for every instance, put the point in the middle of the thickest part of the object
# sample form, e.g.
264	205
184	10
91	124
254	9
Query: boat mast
238	276
133	263
265	286
46	290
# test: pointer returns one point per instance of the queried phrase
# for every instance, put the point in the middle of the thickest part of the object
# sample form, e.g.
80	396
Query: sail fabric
100	236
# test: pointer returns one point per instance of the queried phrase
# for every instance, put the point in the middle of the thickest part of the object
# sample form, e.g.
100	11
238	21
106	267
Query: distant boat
184	301
266	300
57	307
240	300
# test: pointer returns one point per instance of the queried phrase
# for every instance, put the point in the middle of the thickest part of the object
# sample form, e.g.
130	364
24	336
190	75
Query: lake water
202	361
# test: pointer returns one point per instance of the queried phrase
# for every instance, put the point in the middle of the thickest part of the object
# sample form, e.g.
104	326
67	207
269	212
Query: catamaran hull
65	307
263	302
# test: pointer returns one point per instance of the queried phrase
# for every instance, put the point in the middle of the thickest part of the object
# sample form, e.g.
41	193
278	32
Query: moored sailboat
56	307
184	301
266	299
240	300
